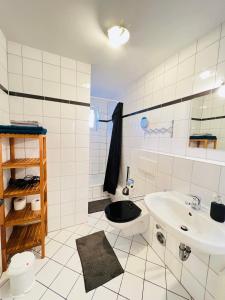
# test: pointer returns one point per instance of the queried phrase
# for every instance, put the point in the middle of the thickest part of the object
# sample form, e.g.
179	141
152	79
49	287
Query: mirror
207	128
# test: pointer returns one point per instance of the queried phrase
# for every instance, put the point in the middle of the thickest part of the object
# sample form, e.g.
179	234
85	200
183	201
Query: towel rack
161	130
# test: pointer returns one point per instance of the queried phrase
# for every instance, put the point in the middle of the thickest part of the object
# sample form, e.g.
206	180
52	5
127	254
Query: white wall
37	72
175	78
100	136
4	104
99	147
194	172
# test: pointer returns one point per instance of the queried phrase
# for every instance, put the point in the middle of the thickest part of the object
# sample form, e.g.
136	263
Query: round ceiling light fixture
118	36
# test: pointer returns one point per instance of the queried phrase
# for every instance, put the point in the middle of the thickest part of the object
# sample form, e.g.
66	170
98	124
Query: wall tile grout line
173	102
46	98
39	97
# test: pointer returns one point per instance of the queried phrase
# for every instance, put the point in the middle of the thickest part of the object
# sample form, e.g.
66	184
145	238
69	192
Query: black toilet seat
122	211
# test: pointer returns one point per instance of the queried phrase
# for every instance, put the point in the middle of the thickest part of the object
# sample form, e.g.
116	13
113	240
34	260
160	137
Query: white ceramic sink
170	210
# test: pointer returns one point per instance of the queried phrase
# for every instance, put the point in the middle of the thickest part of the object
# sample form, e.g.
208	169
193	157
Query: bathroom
163	86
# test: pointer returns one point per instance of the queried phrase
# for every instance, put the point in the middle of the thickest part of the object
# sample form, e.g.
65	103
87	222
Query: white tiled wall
96	188
37	72
100	136
4	104
178	167
175	78
189	176
42	73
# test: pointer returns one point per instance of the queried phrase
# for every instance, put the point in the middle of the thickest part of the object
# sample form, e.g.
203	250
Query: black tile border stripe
38	97
3	88
104	121
24	95
208	119
173	102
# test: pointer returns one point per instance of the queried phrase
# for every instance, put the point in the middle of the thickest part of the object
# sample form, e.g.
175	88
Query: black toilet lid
122	211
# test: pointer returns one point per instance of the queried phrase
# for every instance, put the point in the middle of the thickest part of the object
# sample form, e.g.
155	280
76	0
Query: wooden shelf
21	217
18	192
23	238
18	135
21	163
29	227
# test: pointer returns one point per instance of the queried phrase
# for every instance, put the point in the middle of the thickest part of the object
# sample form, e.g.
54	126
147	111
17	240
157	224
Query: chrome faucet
196	202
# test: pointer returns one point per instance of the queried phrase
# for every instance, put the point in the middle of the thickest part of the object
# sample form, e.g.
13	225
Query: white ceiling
76	28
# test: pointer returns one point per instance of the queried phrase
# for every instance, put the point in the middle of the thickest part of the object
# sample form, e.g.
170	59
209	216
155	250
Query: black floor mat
98	260
99	205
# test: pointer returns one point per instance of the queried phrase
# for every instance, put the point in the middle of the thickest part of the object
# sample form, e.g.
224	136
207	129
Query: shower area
100	135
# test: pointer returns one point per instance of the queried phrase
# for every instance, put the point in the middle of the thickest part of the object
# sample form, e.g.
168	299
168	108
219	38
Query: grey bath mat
98	260
98	205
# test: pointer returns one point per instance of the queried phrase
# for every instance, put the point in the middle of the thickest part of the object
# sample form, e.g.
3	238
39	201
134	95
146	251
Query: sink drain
184	228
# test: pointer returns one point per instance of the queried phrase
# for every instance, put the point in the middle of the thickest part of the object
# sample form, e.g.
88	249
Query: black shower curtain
114	158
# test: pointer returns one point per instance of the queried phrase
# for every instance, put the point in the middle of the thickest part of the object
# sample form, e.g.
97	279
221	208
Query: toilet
129	217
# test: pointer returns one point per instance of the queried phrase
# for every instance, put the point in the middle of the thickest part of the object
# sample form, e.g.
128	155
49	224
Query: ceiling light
206	74
221	91
118	36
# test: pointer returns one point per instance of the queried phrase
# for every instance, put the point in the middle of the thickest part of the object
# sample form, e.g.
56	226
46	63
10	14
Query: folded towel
24	123
199	134
22	129
203	137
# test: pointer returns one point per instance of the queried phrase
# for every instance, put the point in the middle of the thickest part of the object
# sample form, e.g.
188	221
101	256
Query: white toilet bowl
136	226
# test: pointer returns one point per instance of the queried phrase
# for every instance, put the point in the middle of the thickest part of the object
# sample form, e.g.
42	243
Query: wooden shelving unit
21	163
22	216
10	192
23	238
29	228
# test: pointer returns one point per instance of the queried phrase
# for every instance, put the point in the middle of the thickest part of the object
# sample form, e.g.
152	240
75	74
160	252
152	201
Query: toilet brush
126	189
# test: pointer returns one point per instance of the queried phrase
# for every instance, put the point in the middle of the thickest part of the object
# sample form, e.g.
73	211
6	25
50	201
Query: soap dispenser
217	210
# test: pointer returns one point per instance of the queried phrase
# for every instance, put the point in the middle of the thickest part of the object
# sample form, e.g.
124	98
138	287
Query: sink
194	228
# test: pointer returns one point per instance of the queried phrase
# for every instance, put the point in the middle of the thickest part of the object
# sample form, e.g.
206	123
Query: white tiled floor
59	275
